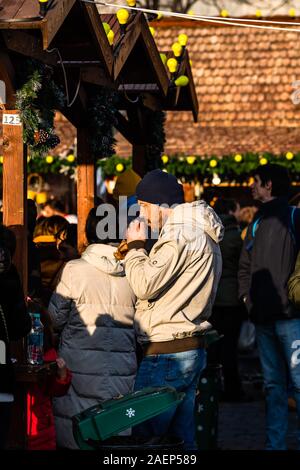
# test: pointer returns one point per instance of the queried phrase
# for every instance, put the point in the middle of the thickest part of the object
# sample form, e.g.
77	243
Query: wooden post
15	217
85	184
139	154
15	187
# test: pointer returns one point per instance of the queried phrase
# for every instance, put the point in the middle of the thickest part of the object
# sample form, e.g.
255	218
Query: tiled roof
243	80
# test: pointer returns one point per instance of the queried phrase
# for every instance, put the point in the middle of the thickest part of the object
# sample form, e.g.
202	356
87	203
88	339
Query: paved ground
242	425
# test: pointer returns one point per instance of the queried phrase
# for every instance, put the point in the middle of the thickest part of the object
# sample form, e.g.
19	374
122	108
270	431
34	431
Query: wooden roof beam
28	45
99	36
126	45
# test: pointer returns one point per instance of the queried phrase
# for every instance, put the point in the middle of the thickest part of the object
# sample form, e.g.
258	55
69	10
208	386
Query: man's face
153	214
261	192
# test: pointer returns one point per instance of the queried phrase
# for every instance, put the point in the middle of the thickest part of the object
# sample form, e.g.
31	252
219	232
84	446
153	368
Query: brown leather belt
174	346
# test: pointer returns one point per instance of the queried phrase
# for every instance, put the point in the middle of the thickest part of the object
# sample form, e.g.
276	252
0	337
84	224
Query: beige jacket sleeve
149	275
294	284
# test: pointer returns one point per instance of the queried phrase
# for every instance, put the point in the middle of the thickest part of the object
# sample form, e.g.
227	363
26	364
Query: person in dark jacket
15	323
267	261
228	311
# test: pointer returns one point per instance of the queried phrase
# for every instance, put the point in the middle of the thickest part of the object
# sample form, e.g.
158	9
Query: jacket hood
194	218
102	257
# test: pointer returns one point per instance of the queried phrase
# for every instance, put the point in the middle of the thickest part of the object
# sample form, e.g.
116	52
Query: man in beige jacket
175	285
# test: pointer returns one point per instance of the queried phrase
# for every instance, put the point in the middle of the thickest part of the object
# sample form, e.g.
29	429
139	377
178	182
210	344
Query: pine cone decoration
53	141
41	136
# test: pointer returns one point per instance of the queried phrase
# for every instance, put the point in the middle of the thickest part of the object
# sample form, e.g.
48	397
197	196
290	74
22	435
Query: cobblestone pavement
242	425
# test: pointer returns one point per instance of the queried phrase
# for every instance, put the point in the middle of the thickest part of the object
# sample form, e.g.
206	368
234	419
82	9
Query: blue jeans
279	351
181	371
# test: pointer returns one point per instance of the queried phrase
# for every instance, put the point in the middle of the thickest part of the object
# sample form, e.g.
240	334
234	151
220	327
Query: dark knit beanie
159	187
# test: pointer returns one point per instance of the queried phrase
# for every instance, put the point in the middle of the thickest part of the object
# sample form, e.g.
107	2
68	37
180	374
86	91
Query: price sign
11	119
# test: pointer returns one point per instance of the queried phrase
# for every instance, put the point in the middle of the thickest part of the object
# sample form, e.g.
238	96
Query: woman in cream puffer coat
93	309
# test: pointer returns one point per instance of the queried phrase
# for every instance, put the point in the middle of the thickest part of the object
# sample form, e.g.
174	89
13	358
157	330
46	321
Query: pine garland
157	139
37	99
102	120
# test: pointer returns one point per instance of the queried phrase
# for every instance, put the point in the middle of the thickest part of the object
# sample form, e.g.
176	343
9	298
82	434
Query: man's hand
137	230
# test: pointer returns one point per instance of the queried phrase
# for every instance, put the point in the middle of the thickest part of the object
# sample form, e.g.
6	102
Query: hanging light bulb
292	12
43	7
122	16
182	81
177	49
216	179
163	58
106	27
258	14
172	65
110	37
183	39
152	31
131	3
224	13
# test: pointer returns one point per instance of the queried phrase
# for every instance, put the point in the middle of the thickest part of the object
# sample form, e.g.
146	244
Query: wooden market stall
71	40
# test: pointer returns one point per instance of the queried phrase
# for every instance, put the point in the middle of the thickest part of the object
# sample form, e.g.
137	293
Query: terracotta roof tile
243	79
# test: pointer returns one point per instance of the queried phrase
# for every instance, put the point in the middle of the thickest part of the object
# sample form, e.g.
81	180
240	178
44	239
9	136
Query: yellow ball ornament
238	158
258	14
165	159
1	159
191	159
49	159
263	161
71	158
213	163
289	156
119	167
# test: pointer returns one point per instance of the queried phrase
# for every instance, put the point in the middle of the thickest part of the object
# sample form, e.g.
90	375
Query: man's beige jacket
177	283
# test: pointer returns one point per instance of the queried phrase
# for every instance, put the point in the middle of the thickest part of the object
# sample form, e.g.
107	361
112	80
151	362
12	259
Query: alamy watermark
114	222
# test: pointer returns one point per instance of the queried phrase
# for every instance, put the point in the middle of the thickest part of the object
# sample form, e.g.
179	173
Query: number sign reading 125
11	119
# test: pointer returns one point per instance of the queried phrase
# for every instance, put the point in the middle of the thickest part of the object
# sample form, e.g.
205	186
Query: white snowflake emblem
130	413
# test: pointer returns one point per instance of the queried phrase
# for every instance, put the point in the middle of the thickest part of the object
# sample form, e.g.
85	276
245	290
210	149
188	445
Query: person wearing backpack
267	260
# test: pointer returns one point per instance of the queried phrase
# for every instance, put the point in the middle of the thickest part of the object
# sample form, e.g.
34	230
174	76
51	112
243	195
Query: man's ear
268	185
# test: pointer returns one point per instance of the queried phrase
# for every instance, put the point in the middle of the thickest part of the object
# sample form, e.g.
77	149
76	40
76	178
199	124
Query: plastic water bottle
35	341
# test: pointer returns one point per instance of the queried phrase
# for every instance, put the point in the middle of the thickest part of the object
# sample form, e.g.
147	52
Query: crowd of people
133	313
